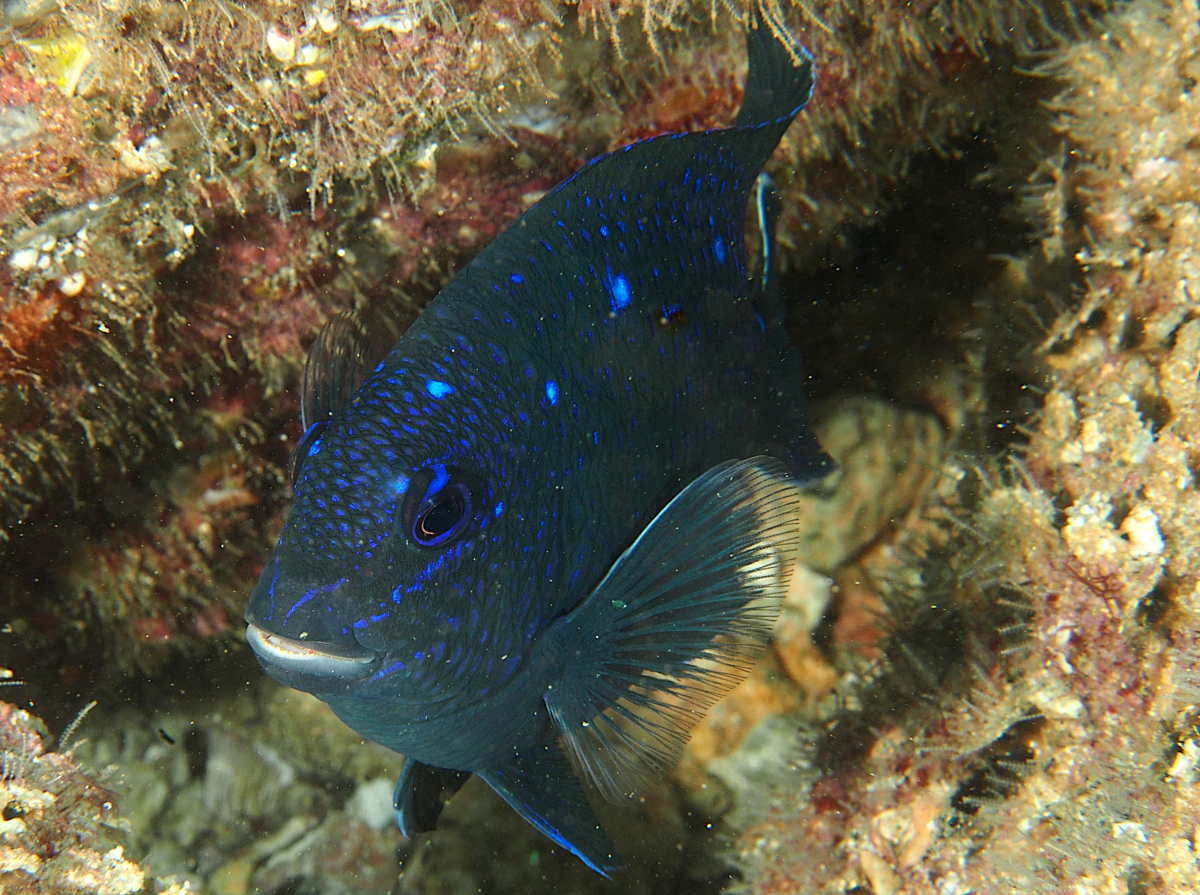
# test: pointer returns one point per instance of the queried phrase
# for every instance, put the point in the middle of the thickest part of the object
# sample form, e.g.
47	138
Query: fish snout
294	630
310	665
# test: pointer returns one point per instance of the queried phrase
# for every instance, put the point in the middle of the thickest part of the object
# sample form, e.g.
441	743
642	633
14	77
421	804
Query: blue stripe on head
274	581
395	666
315	592
440	477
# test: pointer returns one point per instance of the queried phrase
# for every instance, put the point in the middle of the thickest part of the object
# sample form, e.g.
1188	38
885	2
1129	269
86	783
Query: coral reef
60	833
1030	723
988	681
255	792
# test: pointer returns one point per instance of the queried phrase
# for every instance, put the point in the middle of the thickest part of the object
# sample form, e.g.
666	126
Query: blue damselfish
557	521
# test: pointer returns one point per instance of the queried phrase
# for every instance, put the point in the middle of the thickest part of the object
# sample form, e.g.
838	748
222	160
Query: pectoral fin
676	623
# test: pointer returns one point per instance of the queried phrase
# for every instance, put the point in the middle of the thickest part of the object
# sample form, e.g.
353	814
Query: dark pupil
441	517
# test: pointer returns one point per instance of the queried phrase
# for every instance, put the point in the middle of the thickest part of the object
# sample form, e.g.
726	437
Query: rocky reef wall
987	682
1054	743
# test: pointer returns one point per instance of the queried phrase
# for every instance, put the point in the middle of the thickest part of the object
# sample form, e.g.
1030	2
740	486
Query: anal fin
540	786
676	623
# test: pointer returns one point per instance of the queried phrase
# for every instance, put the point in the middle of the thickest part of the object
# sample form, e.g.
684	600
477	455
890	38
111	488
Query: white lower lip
296	655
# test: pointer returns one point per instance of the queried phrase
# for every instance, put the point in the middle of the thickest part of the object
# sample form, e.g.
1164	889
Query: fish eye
445	509
309	443
437	522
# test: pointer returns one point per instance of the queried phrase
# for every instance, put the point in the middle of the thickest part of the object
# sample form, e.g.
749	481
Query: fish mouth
329	660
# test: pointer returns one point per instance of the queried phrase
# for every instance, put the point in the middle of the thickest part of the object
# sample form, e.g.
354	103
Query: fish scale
558	518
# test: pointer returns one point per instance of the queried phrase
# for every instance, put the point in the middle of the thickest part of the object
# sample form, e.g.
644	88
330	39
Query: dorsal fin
339	359
664	216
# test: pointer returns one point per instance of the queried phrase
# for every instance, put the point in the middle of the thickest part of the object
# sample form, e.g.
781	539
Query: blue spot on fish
552	392
438	389
618	291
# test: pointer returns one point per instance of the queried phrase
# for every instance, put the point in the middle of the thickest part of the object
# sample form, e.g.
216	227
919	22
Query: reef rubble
60	833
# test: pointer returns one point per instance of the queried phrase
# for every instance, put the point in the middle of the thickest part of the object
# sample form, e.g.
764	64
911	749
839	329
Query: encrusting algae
989	681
